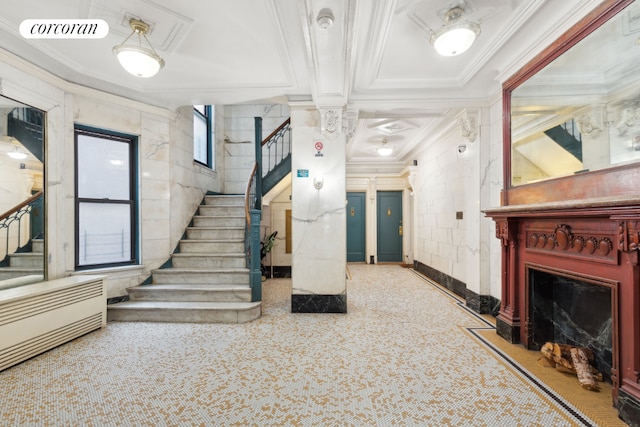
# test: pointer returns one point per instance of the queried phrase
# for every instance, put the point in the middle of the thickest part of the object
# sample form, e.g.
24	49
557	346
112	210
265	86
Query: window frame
132	202
208	119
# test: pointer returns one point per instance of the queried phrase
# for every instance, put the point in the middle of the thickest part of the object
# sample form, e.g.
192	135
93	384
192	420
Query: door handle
400	231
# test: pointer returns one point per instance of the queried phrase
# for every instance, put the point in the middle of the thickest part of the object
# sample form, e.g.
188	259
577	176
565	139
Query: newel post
255	273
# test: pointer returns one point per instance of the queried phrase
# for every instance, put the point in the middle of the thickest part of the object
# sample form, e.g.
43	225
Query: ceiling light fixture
456	35
17	154
384	149
325	18
136	59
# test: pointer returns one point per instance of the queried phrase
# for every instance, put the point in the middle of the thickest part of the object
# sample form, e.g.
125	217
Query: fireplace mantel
577	219
596	240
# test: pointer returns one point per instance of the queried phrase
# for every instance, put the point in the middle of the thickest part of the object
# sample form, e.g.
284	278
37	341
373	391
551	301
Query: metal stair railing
11	224
275	150
276	147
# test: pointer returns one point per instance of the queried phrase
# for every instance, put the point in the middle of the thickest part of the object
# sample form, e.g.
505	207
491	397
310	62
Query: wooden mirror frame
616	181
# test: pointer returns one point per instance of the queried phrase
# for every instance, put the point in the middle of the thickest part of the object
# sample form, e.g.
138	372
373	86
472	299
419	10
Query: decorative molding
331	122
626	116
502	232
468	127
349	120
589	125
628	235
563	240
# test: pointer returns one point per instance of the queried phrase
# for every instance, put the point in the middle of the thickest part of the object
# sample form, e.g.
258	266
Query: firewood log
544	362
562	355
562	368
583	369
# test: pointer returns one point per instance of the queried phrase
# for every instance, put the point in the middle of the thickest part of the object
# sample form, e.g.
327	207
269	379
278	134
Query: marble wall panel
318	216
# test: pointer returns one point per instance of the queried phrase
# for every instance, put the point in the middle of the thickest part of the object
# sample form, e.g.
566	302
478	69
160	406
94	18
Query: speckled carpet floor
402	356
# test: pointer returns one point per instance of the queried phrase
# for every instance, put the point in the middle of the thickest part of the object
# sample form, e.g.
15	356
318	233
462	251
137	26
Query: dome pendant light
136	59
384	149
456	35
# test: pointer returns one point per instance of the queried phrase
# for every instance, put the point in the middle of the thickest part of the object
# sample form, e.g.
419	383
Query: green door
389	226
355	227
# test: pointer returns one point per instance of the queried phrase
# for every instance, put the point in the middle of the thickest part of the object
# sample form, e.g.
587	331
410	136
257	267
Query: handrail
22	205
282	126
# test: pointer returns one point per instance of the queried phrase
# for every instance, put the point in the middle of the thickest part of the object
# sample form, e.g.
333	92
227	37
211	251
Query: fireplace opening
567	310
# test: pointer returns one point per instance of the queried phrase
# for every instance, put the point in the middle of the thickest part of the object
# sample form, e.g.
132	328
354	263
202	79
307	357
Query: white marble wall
492	185
239	148
440	192
319	216
171	185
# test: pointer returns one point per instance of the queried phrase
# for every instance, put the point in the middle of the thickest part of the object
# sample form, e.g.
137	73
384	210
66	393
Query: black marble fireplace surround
567	310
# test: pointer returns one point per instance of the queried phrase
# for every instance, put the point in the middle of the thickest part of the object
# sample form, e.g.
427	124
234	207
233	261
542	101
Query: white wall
239	147
170	184
439	193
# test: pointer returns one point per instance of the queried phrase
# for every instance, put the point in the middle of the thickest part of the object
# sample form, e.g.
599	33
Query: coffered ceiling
375	59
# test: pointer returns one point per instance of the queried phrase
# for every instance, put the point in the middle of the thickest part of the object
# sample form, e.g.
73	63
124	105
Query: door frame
363	195
401	224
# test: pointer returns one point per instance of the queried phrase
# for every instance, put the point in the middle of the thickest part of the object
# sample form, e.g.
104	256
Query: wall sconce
635	143
17	154
136	59
318	183
462	148
456	35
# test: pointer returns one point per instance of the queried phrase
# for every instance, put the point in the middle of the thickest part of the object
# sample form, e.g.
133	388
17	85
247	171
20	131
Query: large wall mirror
22	136
580	112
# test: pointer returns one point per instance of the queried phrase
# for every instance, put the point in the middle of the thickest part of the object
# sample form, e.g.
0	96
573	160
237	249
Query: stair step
191	292
37	246
212	246
219	221
208	261
215	233
27	260
14	272
229	276
234	200
184	312
220	210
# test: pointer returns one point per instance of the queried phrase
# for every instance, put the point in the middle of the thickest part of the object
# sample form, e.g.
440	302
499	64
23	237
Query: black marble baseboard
454	285
628	408
115	300
281	271
509	332
310	303
483	304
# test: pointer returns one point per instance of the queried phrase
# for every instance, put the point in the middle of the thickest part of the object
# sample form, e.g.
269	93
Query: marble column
318	197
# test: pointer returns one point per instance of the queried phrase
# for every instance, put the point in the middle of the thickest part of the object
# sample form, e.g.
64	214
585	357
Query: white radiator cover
38	317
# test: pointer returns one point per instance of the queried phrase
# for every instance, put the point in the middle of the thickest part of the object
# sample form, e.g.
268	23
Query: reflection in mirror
21	194
581	112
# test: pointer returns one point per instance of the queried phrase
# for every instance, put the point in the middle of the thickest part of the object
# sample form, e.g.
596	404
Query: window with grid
105	198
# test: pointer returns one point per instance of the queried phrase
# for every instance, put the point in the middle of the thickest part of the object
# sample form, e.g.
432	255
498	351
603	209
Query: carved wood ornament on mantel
561	239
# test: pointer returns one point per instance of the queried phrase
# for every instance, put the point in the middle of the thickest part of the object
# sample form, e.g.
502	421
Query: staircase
207	282
26	263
